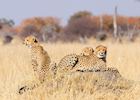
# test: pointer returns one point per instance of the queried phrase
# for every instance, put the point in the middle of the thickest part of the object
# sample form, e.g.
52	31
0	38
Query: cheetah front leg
32	84
28	86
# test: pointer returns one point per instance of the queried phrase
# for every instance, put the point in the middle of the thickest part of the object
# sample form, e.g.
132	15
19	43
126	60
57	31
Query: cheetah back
89	63
67	63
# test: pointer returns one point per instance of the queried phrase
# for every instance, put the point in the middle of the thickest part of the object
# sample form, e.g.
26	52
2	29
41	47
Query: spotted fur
101	52
40	63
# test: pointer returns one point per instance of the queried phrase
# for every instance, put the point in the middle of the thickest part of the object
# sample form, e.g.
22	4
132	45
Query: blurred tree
82	28
36	21
48	31
4	21
107	23
78	15
39	26
6	30
122	23
133	24
51	29
28	30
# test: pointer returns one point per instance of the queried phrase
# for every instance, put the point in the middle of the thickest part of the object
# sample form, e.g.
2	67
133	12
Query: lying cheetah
67	63
89	63
87	51
40	62
84	62
101	52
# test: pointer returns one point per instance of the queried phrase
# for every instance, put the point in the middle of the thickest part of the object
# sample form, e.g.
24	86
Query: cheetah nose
102	53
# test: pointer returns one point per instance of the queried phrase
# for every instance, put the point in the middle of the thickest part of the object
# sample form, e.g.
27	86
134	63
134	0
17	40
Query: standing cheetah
40	62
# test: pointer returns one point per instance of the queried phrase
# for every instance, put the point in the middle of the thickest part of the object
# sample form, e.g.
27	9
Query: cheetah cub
101	52
86	61
87	51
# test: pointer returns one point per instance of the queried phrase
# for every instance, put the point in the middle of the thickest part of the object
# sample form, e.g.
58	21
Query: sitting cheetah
40	62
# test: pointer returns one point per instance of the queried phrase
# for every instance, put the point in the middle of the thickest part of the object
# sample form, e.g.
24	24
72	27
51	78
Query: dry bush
79	14
7	39
40	27
81	27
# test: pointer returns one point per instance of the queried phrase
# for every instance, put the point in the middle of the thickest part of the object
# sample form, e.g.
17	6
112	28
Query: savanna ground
15	68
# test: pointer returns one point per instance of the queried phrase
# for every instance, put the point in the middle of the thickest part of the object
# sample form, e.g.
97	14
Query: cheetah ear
35	41
93	50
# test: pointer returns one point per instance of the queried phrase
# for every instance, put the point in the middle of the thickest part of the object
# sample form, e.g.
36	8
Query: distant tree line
80	26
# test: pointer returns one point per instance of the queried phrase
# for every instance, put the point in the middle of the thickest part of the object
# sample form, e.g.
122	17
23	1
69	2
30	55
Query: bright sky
63	9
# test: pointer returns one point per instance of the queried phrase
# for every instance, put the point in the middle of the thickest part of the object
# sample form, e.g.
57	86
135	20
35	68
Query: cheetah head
101	51
87	51
30	41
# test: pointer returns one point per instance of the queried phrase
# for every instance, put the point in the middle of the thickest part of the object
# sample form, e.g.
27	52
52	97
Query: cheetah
93	58
40	62
87	61
67	63
87	51
74	62
101	52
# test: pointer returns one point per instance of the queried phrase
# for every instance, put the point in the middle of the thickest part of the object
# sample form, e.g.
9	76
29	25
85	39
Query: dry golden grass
15	68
